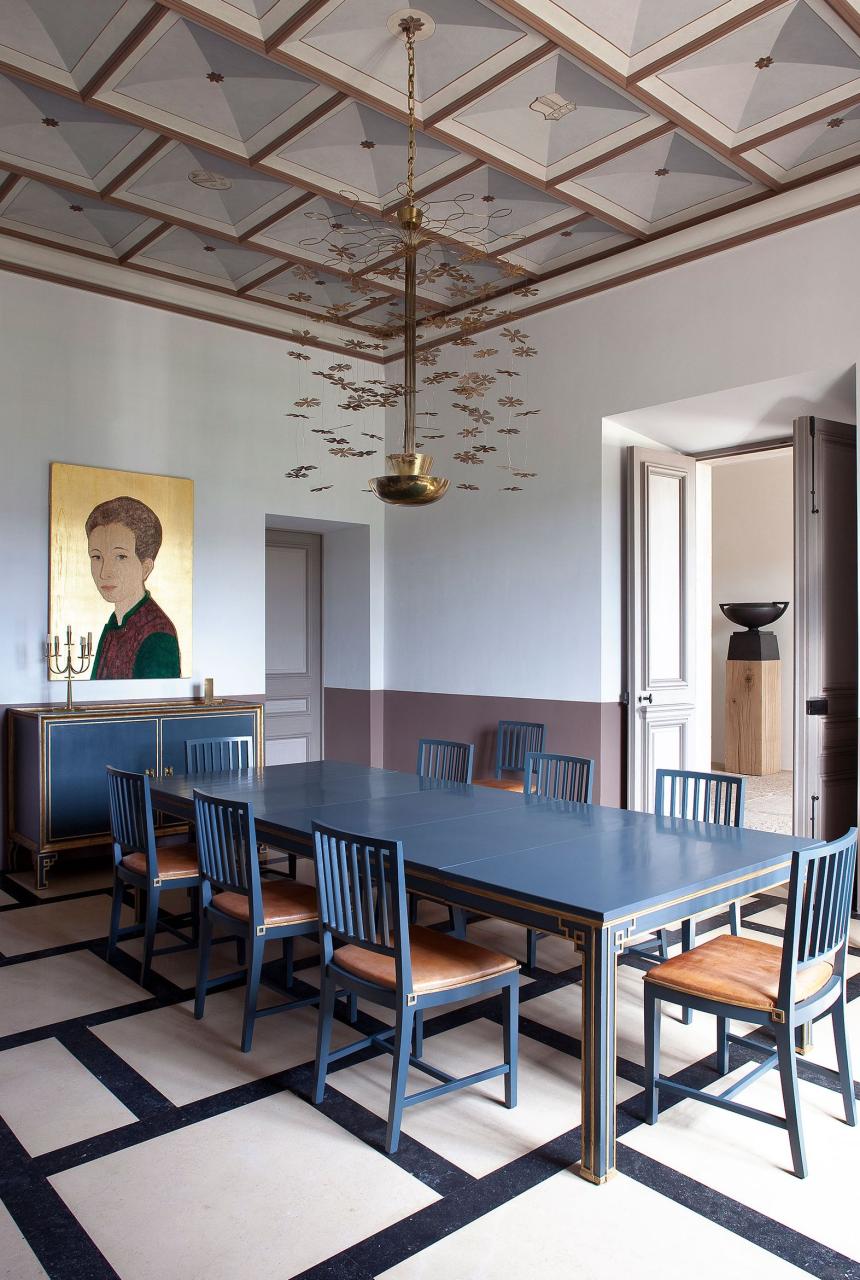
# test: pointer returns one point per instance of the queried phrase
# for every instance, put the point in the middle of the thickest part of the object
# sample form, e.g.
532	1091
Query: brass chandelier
408	481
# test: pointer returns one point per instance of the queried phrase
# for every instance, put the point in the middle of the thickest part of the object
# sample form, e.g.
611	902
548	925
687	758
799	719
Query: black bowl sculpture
754	616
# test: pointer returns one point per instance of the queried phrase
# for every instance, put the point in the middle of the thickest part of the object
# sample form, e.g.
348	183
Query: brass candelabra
72	666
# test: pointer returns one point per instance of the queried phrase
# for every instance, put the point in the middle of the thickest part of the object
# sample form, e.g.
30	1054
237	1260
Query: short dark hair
136	516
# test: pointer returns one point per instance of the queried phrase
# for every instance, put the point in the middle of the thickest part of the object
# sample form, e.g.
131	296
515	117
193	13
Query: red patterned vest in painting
120	645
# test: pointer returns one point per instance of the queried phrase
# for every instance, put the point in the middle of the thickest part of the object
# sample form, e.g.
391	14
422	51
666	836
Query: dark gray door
825	712
293	664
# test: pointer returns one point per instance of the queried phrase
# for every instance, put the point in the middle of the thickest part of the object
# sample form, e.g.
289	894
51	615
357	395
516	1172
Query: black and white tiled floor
140	1144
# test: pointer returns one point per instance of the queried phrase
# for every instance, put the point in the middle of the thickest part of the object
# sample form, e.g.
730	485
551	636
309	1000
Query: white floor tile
79	1106
56	924
564	1225
267	1189
39	992
186	1059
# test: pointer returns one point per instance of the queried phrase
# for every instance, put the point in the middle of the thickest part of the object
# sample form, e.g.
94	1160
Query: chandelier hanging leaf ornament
408	480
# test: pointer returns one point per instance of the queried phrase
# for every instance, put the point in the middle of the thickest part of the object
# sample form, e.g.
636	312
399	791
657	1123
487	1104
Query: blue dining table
598	876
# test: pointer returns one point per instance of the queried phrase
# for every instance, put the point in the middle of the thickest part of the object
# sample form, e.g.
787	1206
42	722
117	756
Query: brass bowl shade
409	482
409	490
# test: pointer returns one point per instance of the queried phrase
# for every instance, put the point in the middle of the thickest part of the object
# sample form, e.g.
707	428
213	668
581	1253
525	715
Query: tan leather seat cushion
282	903
175	862
740	971
503	784
438	962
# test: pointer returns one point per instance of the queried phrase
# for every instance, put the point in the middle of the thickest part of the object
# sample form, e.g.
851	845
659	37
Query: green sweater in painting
144	646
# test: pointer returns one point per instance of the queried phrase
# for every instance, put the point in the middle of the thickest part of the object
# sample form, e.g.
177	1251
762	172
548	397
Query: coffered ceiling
253	151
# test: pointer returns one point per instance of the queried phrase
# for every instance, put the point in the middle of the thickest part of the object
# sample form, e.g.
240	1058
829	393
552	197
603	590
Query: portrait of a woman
138	641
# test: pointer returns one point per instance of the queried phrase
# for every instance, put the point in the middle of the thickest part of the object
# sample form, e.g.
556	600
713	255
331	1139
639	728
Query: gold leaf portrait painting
121	569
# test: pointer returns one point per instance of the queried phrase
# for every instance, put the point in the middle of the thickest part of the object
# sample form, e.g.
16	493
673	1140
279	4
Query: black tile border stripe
52	1231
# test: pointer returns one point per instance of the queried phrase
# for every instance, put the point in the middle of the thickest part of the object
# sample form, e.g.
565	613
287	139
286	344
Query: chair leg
788	1078
843	1059
115	912
510	1036
241	951
664	944
291	866
287	949
531	948
413	908
418	1034
402	1041
722	1046
152	896
194	897
653	1009
253	986
202	963
324	1026
735	919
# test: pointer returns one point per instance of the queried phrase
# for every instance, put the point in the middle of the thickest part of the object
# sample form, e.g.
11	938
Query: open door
661	617
825	620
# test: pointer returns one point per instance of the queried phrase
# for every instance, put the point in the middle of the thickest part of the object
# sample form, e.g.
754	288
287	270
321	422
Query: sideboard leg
42	865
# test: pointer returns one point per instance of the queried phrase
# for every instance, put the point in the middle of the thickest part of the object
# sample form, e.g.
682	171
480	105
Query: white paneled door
293	675
661	617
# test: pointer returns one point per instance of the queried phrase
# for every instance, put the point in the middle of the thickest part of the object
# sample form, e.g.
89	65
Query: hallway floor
768	802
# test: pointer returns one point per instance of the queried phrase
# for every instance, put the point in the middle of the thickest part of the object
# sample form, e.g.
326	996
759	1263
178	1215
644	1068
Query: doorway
675	457
752	559
293	717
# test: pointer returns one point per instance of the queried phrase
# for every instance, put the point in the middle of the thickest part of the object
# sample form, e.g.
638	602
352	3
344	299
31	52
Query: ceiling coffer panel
258	148
464	46
185	79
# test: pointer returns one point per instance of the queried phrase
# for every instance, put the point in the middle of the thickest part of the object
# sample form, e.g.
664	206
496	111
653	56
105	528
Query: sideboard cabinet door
177	729
77	753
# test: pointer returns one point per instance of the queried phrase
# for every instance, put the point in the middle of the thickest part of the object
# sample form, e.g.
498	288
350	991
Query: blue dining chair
445	761
142	864
361	889
515	739
555	777
702	797
218	755
232	894
781	988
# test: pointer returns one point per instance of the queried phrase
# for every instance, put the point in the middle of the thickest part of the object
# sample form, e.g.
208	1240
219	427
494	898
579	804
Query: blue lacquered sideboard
57	789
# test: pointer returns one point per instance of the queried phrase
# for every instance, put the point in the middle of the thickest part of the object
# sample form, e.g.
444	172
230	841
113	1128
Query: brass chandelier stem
410	216
409	481
409	336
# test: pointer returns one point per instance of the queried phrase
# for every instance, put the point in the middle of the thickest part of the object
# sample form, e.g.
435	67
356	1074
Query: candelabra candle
71	666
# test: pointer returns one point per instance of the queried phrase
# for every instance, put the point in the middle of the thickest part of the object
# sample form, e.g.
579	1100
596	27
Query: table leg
599	949
688	941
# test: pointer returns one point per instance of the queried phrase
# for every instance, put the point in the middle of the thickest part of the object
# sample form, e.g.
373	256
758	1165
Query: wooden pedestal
753	717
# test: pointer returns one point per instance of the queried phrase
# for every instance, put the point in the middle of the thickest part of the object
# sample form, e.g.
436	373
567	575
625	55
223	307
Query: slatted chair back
218	755
516	738
227	848
131	820
702	797
445	761
558	777
361	894
818	914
